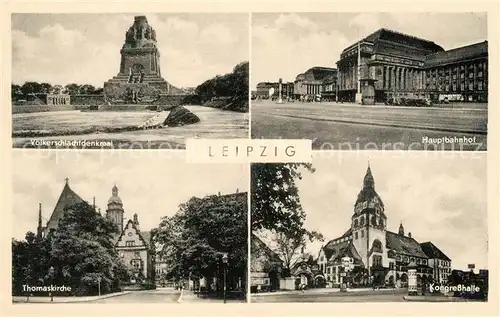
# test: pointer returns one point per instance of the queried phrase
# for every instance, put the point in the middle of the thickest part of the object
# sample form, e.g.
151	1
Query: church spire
368	181
39	228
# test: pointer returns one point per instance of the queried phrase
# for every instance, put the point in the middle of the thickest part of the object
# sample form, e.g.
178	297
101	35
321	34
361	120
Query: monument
139	79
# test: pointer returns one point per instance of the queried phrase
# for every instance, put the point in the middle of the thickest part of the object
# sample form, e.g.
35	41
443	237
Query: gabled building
265	266
377	254
134	248
440	263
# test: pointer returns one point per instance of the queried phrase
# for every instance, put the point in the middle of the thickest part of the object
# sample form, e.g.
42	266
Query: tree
72	89
31	87
58	89
15	91
275	198
45	88
289	247
30	260
200	232
87	89
233	85
83	251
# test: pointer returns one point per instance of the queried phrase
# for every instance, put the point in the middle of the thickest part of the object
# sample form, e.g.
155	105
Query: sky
85	48
150	184
438	198
287	44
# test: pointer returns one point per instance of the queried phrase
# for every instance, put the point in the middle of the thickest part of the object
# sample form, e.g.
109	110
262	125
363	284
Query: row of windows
470	87
479	66
375	221
407	259
137	254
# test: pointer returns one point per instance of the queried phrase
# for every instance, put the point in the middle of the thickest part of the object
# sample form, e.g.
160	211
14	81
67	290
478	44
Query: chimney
409	234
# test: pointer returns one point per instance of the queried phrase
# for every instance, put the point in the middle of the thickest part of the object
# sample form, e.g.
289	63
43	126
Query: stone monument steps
155	121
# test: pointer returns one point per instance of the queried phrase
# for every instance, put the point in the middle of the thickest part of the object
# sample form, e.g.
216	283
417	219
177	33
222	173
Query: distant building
263	89
377	254
316	81
394	64
57	99
39	99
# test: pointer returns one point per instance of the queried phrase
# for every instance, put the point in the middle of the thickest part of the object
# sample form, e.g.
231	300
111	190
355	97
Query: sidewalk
59	299
323	291
437	299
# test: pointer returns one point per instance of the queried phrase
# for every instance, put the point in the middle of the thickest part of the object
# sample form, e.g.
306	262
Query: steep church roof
433	252
368	192
404	245
67	198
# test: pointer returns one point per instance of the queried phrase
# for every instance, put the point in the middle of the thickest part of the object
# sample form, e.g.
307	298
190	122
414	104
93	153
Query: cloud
76	48
291	44
366	23
286	44
218	33
440	200
149	185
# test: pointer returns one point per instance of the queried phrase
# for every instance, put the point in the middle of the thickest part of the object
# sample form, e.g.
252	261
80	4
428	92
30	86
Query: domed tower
369	223
115	208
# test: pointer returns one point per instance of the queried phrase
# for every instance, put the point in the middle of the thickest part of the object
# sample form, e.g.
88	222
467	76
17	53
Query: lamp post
51	275
224	261
99	285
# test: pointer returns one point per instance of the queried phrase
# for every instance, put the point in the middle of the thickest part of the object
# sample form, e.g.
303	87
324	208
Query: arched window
362	220
355	223
377	246
374	221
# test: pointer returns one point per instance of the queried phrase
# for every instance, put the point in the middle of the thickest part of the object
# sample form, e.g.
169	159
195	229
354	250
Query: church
134	246
376	254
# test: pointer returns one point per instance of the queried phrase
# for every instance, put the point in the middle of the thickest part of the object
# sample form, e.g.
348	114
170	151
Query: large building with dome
377	254
134	246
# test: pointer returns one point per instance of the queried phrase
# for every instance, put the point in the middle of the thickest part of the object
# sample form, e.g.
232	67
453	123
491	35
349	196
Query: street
327	295
163	295
150	296
351	127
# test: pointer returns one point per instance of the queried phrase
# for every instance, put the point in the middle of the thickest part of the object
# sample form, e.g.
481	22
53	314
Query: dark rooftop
433	252
457	54
404	245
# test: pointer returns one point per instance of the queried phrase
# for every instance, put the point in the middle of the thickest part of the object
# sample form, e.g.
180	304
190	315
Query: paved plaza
350	126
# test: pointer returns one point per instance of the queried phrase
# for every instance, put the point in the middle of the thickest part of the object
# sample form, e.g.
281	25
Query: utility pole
358	91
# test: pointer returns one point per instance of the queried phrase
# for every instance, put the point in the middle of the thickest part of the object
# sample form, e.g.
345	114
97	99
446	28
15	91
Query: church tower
115	208
369	224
